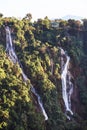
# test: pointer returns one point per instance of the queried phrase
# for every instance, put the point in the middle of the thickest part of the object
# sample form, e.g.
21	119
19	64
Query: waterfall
51	61
67	85
39	101
13	57
9	47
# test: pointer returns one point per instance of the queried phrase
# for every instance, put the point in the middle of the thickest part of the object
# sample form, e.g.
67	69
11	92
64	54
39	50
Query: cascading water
9	47
13	57
67	86
40	103
51	61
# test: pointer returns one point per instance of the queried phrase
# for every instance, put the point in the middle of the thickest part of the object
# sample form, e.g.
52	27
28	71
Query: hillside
31	64
67	17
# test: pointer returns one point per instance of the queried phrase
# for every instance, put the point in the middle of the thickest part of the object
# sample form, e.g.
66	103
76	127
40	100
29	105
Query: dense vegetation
37	47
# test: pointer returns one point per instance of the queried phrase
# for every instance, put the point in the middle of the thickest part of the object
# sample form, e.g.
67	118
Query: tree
1	15
28	16
85	24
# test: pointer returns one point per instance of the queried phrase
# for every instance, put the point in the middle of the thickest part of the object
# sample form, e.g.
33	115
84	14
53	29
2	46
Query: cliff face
77	50
37	46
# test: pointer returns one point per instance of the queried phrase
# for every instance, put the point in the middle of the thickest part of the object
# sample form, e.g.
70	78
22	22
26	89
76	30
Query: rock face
77	106
2	35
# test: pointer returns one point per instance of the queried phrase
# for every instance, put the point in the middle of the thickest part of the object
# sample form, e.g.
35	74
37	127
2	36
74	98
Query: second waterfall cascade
13	57
67	85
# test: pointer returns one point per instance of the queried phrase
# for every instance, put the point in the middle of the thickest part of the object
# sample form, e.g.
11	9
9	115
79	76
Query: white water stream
67	86
13	57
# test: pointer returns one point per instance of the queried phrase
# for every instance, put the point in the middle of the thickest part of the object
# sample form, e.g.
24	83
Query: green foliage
1	15
15	100
36	45
76	51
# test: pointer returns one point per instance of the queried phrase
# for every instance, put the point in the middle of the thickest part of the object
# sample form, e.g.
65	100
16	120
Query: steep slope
37	46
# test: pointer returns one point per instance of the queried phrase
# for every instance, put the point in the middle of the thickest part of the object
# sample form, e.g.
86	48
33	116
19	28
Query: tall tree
1	15
28	16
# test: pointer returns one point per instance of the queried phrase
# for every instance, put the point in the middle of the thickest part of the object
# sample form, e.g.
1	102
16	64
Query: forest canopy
37	45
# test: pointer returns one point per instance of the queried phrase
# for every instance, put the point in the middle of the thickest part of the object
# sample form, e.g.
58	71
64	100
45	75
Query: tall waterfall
67	86
13	57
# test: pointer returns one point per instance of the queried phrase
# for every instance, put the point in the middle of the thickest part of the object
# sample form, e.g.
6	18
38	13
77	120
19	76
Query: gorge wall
37	46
